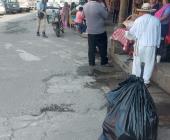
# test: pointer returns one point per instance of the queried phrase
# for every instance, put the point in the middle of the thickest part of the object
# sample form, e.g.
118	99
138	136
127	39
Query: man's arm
131	34
104	12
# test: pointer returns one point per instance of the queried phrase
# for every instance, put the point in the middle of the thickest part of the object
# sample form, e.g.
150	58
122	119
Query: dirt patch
57	108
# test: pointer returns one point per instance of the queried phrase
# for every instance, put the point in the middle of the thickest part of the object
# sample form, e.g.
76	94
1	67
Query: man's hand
129	36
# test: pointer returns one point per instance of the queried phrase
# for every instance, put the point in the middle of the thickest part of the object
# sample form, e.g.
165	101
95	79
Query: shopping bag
132	113
40	15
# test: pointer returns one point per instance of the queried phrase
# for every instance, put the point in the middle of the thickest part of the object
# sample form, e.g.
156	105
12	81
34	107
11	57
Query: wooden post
133	7
123	10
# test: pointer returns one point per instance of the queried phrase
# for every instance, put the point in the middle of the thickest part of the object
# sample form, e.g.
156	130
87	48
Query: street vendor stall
119	36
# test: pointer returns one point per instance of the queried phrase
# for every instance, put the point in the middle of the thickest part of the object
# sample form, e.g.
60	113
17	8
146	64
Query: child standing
80	20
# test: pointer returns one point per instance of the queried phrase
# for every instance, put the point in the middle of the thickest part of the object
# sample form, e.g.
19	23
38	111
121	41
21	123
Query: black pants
81	27
100	41
163	50
115	15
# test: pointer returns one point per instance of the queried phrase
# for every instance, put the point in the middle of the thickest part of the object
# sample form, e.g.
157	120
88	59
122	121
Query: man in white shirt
146	31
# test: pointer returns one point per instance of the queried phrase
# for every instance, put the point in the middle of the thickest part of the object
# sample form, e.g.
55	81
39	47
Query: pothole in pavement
115	71
104	76
57	108
83	70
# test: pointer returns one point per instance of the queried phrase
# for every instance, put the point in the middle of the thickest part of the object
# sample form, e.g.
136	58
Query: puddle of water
109	77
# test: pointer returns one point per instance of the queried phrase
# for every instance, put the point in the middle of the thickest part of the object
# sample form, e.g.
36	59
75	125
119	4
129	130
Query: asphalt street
45	91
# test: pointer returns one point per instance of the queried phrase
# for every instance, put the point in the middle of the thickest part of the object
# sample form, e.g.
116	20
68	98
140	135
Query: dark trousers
115	15
81	27
100	41
163	50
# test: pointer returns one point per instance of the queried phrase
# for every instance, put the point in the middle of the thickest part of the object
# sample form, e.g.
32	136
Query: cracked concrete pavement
44	92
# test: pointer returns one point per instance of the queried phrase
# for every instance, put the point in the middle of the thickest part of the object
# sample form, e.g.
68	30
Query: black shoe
38	34
44	35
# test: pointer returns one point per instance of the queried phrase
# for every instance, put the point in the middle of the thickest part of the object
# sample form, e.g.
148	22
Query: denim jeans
81	27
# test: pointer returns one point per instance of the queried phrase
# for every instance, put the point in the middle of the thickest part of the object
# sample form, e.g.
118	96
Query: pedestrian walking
164	16
42	17
96	14
146	31
65	14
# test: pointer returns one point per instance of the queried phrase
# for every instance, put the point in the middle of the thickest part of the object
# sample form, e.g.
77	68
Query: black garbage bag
132	113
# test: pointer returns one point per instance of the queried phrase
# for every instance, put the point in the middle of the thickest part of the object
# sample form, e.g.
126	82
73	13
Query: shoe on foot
44	35
38	33
91	71
85	35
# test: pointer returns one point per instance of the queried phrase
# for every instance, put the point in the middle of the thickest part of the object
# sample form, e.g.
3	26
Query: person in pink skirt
65	14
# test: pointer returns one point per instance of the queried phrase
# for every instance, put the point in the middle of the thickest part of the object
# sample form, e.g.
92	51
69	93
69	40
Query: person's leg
38	26
84	28
162	50
136	67
114	14
65	21
138	59
80	27
91	53
44	27
149	60
101	42
91	49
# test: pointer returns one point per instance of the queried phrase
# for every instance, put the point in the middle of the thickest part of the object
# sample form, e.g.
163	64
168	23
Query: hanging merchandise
138	1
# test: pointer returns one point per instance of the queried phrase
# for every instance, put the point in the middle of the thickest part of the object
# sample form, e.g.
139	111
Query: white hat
146	7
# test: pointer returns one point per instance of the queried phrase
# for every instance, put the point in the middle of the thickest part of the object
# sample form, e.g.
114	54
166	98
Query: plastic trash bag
132	113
